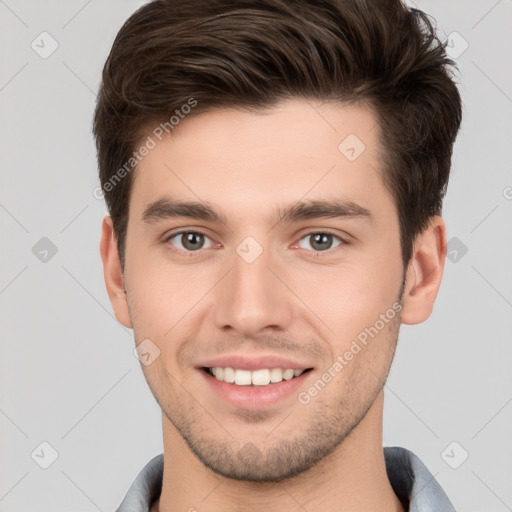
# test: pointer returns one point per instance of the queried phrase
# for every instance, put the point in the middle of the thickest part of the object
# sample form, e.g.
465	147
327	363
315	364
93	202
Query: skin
298	299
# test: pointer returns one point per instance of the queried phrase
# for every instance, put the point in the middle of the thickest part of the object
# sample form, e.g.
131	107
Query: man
274	173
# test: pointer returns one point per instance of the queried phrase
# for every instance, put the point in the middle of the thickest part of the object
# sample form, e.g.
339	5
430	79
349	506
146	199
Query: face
262	246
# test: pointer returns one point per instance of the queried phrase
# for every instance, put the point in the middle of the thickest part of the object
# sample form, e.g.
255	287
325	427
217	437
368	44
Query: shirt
411	481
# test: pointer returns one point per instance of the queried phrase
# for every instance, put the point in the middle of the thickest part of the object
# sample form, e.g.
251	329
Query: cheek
351	298
166	305
163	294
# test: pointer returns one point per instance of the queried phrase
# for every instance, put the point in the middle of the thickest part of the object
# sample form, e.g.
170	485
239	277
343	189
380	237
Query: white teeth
229	375
243	378
256	378
261	377
288	374
276	375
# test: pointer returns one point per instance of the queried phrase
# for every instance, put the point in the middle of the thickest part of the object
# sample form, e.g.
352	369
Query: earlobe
424	273
113	274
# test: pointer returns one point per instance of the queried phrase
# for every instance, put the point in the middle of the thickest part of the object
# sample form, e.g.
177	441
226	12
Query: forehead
297	148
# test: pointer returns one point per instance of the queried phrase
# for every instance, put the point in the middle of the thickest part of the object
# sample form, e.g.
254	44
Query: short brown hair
255	53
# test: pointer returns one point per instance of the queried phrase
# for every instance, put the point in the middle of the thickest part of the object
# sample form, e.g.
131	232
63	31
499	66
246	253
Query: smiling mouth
261	377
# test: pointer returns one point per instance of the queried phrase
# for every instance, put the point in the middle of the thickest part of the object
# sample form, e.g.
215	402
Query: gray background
67	373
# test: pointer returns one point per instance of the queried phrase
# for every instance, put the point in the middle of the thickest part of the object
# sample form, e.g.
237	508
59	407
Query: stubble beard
276	457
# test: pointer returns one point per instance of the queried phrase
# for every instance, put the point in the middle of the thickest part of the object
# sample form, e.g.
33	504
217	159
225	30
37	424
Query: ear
424	273
113	274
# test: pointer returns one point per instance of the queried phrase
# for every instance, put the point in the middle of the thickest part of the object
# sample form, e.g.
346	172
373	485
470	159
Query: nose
252	299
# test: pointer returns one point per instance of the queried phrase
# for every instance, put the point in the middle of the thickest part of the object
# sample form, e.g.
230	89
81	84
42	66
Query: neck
352	478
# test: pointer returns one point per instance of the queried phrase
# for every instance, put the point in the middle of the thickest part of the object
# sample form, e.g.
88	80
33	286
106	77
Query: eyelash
310	234
185	232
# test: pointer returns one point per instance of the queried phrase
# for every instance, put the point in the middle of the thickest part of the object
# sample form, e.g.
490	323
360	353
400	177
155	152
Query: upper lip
253	362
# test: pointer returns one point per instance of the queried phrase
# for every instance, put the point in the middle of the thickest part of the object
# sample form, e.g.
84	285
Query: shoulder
413	483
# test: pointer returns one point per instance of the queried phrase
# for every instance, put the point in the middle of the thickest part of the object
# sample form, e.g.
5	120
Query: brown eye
190	241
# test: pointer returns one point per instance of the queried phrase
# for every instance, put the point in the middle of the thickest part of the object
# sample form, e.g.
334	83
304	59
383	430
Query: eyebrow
164	209
326	208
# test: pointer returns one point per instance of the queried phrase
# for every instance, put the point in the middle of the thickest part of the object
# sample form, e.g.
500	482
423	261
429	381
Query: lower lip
255	397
